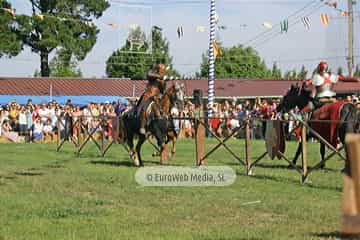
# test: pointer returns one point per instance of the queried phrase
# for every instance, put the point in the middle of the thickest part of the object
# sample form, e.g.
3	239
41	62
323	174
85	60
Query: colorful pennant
284	26
324	18
267	25
306	22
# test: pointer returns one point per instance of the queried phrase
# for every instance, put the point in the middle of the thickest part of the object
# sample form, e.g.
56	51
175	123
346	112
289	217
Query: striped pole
211	80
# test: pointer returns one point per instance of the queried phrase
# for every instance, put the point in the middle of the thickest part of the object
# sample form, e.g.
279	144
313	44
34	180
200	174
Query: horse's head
296	96
176	94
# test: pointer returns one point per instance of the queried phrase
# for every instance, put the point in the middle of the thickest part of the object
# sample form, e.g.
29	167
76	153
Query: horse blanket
328	130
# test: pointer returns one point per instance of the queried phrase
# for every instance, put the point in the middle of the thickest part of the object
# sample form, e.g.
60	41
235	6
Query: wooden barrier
351	189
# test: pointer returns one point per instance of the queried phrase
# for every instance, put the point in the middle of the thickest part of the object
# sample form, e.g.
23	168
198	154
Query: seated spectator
6	131
38	130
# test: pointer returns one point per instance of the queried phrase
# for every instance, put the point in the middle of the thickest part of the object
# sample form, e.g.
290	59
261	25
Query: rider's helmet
322	67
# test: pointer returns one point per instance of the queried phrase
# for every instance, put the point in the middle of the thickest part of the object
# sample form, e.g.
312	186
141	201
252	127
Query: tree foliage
63	65
59	25
133	63
275	72
236	62
303	73
10	44
357	71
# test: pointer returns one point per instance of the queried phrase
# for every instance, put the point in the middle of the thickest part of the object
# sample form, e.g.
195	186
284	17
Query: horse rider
322	84
155	88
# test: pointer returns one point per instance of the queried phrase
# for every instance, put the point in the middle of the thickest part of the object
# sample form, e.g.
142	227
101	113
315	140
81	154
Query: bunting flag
113	25
267	25
200	29
306	22
180	31
217	50
332	4
284	25
324	18
344	14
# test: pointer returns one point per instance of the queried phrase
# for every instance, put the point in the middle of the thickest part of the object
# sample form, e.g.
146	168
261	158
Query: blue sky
243	20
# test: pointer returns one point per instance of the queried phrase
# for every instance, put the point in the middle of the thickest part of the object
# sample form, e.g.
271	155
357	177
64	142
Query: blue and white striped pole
211	80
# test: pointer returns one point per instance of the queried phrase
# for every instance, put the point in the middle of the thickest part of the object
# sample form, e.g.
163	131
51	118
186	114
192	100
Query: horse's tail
122	133
348	120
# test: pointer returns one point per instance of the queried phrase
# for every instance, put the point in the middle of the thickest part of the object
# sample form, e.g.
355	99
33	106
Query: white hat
107	102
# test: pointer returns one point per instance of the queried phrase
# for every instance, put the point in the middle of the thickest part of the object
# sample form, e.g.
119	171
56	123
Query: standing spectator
22	121
29	123
44	113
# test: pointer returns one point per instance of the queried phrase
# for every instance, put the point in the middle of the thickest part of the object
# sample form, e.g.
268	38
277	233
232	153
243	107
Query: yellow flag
217	50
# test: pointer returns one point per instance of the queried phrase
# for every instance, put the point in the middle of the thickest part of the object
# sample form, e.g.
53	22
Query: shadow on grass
30	174
281	179
113	163
336	235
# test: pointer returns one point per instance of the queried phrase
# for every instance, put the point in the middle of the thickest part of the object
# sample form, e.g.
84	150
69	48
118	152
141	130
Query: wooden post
199	128
199	138
58	133
304	153
351	188
247	147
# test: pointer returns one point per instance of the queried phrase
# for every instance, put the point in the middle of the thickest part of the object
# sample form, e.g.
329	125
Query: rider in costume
155	88
322	84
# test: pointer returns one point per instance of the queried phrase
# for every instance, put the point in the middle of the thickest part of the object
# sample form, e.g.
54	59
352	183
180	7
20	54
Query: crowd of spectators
33	122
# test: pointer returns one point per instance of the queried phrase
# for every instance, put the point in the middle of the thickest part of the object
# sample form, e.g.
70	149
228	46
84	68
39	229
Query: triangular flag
200	29
332	4
284	26
306	22
113	25
267	25
344	14
324	18
217	50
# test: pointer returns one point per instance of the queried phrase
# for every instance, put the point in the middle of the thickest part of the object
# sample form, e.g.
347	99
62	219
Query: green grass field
50	195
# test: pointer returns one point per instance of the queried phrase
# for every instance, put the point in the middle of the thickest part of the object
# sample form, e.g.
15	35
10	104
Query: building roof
224	88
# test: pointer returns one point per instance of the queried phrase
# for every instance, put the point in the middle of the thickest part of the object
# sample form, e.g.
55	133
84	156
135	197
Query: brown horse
156	126
174	94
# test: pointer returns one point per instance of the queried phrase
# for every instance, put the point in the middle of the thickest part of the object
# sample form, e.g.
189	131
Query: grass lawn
50	195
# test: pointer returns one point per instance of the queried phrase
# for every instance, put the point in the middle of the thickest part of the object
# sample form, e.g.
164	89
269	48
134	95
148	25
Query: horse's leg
140	142
173	149
322	152
132	152
297	154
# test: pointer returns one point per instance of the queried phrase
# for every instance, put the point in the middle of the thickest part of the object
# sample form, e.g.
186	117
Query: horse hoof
322	166
291	166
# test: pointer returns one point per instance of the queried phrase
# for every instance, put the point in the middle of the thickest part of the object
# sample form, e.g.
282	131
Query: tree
10	44
275	72
290	74
236	62
357	71
133	63
303	73
60	25
62	65
340	71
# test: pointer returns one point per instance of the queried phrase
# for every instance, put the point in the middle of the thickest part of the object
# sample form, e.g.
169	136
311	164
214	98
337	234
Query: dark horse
158	127
299	96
